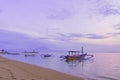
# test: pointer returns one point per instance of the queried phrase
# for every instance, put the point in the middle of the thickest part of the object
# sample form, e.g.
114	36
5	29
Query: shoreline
15	70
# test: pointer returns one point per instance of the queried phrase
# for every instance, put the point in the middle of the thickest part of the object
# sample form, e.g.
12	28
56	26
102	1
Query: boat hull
75	57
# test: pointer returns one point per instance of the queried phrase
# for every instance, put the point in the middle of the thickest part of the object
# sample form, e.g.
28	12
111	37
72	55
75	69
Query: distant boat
29	54
3	52
13	53
46	55
30	51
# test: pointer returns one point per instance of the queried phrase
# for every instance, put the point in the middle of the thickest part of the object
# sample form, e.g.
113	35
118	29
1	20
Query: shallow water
103	66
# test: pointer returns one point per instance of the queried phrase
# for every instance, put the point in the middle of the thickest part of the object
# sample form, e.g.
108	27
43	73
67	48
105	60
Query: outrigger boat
3	51
75	55
30	53
46	55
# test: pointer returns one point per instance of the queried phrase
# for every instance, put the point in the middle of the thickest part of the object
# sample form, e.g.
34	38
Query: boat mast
82	50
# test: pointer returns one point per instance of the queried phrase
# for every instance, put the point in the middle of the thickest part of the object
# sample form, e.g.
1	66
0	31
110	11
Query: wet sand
15	70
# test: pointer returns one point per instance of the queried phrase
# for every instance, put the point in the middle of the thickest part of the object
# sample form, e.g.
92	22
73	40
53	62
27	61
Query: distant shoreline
11	69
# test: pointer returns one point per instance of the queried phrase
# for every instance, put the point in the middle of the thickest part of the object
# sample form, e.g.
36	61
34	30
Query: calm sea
103	66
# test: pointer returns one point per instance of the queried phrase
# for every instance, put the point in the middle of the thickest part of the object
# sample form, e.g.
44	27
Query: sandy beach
15	70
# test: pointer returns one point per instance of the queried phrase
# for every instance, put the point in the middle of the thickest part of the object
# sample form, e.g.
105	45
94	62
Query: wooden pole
82	50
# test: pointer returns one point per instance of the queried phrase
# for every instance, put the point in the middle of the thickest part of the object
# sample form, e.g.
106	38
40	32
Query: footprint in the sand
1	77
14	78
10	74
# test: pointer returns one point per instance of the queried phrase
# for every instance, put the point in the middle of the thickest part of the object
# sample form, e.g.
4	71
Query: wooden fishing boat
29	55
75	55
3	51
46	55
30	51
13	53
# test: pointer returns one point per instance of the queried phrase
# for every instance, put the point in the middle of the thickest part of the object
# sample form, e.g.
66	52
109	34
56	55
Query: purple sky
62	24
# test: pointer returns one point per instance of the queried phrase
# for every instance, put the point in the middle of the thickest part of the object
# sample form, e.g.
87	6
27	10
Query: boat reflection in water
30	53
79	63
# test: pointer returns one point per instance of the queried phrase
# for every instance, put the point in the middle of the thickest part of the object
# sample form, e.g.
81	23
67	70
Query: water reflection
81	63
72	61
102	66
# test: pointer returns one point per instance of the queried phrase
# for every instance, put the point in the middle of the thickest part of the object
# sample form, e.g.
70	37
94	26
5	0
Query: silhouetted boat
75	55
29	54
3	52
30	51
46	55
13	53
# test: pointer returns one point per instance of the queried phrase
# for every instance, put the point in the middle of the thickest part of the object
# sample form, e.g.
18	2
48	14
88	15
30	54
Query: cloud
105	7
95	36
14	40
68	36
109	10
59	14
72	36
105	36
117	26
114	34
117	34
44	38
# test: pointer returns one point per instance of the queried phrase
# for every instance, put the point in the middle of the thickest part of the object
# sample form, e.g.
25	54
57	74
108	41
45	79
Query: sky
62	24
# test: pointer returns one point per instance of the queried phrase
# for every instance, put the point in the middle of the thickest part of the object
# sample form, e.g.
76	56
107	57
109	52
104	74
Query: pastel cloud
109	10
70	36
60	14
67	36
104	7
117	34
95	36
14	40
114	34
117	26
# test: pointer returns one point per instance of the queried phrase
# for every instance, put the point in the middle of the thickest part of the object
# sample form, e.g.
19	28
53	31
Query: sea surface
103	66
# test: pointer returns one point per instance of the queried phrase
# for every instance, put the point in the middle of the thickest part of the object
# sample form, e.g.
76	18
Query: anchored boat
30	53
75	55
